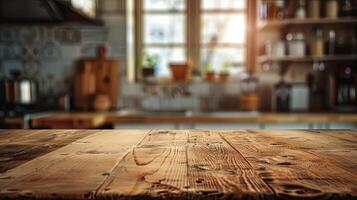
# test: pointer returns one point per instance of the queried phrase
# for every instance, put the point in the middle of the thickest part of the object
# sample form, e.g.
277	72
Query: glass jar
317	45
301	10
314	9
280	13
331	9
296	44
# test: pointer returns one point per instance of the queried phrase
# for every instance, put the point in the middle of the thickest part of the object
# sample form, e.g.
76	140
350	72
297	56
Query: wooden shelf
305	22
264	59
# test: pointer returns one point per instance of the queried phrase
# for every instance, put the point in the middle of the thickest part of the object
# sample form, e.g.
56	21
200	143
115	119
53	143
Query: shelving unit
305	22
327	58
297	70
276	29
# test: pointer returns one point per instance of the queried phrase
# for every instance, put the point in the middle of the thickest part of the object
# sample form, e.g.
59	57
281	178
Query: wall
47	53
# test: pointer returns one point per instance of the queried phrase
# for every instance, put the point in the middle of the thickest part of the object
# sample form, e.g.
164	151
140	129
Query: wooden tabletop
89	164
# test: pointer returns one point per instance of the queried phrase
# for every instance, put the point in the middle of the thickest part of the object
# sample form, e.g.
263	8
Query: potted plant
210	74
148	65
179	71
224	73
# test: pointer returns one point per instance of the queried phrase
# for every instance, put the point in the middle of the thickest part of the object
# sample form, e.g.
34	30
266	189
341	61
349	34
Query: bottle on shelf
301	10
331	9
272	10
280	4
317	45
346	9
281	96
314	9
331	42
342	43
263	10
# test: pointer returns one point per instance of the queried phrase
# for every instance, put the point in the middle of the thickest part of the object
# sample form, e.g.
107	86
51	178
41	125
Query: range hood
42	11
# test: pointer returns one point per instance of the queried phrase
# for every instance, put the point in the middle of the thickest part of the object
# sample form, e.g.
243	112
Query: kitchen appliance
343	89
19	90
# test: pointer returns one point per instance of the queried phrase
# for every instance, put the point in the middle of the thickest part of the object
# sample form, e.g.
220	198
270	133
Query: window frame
193	28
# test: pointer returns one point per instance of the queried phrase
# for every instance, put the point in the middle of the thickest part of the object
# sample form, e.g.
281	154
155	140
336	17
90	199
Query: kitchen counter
96	120
90	164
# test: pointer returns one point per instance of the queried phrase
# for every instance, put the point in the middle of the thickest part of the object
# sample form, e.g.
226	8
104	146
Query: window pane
164	28
164	4
223	4
223	28
86	6
166	56
217	57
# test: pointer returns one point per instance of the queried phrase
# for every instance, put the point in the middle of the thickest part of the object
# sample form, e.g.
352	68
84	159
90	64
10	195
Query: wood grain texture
292	169
71	172
156	168
18	147
310	164
218	171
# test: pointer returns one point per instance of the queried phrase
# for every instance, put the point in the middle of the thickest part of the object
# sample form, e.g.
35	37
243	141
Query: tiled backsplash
47	53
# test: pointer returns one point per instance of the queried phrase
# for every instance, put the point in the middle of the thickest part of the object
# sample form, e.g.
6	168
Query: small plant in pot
224	74
210	74
179	71
148	65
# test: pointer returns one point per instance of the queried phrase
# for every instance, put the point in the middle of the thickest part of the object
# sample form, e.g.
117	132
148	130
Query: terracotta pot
101	103
223	77
179	72
210	76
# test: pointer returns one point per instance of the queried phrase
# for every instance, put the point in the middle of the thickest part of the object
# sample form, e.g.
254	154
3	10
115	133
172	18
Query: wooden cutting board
96	76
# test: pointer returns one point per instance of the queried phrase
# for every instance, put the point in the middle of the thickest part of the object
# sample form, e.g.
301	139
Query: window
164	23
86	6
201	32
223	34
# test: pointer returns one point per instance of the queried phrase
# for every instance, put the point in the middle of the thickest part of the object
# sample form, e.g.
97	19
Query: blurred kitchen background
178	64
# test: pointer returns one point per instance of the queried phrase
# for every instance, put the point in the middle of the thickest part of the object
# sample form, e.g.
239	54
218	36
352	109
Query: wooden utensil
102	74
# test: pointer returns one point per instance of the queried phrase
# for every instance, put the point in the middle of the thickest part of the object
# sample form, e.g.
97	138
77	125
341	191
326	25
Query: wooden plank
18	147
71	172
292	171
218	171
339	146
156	168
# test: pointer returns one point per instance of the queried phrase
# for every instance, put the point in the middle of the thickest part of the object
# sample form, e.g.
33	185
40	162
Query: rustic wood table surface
95	164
